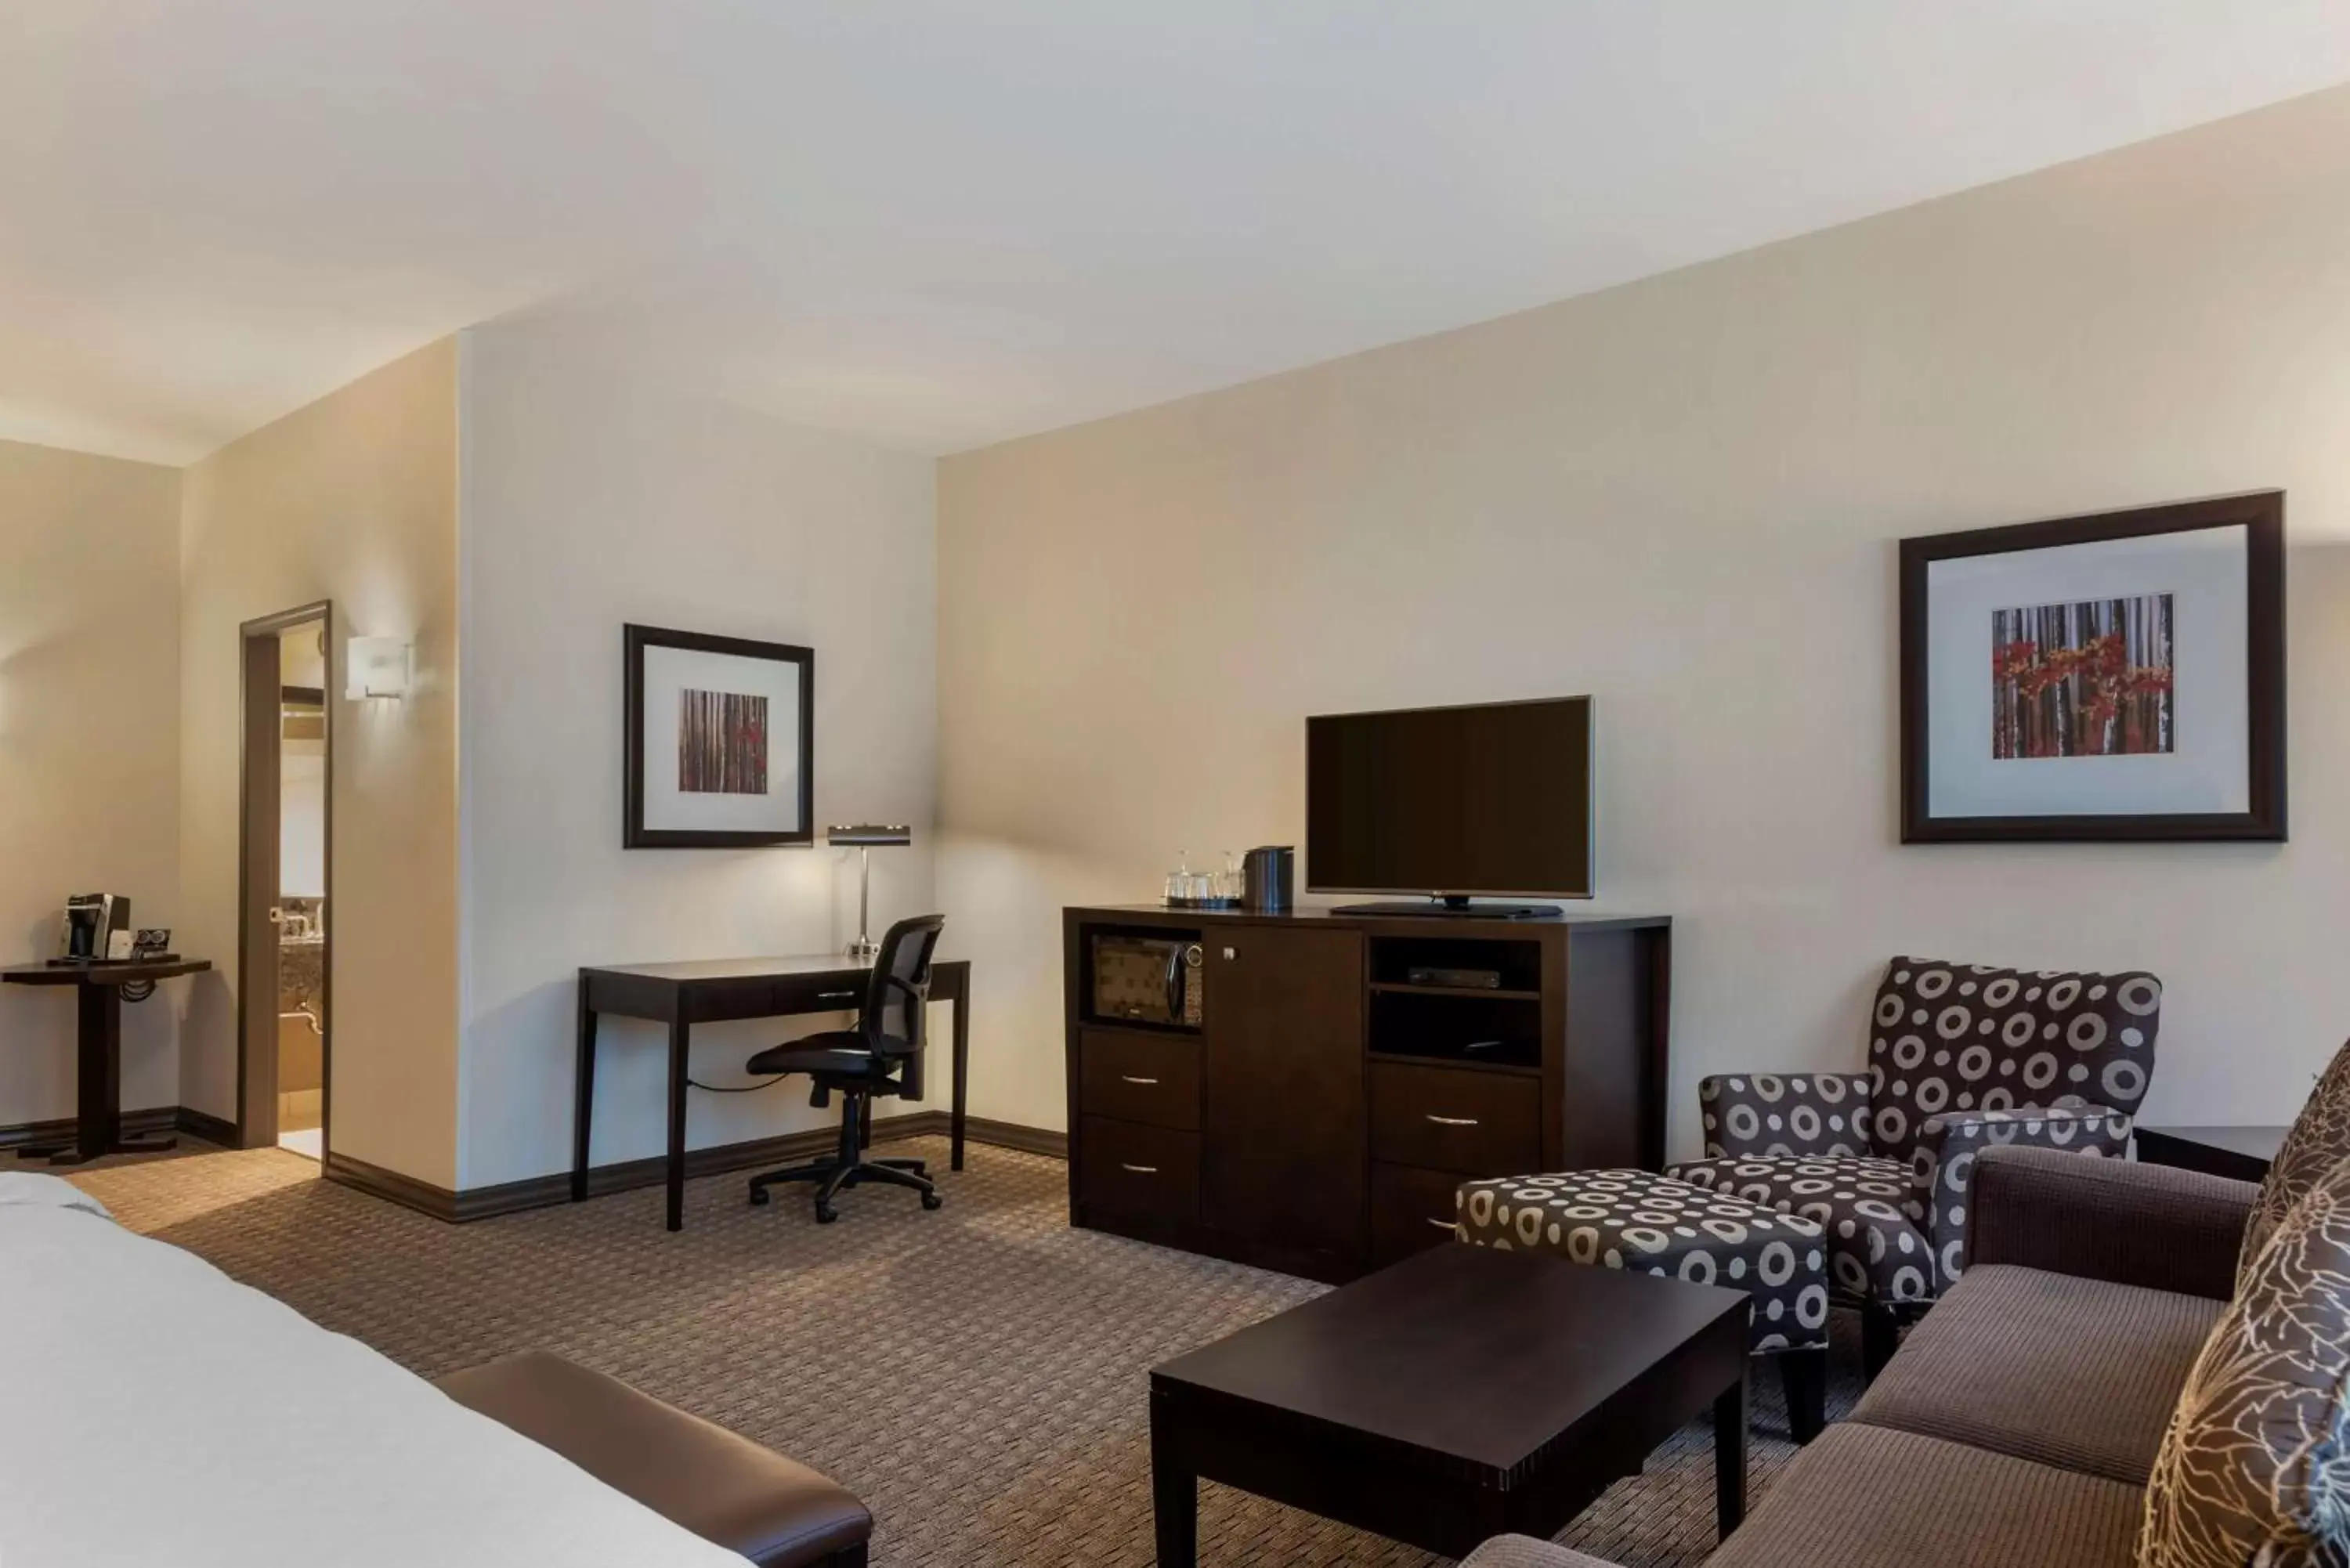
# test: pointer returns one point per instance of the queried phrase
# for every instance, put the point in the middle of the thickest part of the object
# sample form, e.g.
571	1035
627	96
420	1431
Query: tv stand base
1449	909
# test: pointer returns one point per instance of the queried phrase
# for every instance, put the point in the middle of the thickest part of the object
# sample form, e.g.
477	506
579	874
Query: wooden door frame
271	626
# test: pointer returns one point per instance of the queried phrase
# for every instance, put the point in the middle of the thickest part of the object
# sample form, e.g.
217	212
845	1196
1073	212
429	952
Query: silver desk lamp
864	837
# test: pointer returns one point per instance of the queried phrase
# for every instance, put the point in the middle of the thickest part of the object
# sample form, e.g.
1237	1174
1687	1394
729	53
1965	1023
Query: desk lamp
864	837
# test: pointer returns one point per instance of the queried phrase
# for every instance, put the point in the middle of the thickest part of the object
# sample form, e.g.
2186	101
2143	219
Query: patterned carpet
976	1376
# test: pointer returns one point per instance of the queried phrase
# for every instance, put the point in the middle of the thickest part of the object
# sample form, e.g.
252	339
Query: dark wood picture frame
2261	516
634	834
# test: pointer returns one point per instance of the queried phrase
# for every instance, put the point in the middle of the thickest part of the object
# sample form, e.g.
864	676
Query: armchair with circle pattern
1959	1057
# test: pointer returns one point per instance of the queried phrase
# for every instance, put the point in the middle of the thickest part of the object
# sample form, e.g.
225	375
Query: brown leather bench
724	1488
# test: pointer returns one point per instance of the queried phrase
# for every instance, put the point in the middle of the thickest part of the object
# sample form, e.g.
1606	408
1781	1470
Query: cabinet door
1284	1136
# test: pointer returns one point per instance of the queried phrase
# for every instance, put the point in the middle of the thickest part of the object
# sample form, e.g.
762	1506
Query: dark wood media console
1318	1116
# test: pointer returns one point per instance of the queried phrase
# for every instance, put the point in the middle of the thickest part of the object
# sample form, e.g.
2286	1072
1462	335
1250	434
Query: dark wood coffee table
1462	1394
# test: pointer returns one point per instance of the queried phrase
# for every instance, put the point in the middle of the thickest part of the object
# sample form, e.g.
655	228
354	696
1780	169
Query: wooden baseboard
423	1197
206	1125
1012	1134
624	1176
144	1123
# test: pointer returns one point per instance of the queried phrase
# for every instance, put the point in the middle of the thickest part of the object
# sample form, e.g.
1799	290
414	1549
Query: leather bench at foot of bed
724	1488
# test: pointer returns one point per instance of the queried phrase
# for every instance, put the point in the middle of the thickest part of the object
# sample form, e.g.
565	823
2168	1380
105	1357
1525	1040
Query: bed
161	1412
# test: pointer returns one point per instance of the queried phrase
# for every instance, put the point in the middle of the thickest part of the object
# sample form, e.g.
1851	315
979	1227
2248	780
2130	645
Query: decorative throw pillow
2319	1139
2254	1470
1947	1037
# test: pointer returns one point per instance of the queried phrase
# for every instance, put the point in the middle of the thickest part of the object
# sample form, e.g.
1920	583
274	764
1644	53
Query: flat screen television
1492	799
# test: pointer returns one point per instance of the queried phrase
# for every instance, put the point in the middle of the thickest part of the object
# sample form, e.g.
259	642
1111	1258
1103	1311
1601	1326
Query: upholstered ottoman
1639	1220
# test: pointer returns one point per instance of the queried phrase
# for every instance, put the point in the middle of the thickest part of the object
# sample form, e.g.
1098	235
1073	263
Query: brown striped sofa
2018	1423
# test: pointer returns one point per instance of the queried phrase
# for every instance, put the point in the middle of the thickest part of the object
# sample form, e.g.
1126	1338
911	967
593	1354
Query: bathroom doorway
284	1020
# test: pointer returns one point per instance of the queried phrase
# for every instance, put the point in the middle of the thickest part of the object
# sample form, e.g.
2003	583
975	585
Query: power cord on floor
736	1088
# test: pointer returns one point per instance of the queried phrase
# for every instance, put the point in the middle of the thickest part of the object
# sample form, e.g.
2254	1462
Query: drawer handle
1446	1224
836	996
1452	1121
1132	1079
1139	1170
1480	1045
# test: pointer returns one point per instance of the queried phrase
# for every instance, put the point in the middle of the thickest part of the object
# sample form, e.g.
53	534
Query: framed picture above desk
711	991
720	734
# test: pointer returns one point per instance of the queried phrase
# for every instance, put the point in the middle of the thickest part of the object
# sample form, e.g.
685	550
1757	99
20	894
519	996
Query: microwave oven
1154	979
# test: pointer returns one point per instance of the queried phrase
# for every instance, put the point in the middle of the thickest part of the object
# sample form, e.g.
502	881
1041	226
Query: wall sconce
377	666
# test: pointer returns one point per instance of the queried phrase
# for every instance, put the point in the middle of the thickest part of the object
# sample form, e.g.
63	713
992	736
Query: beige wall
595	497
1682	497
89	745
354	499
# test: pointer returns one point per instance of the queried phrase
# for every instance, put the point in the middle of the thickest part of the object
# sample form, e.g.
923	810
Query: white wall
353	498
592	499
1682	497
89	739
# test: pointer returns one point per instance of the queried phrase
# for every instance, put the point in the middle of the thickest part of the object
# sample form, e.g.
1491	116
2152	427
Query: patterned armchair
1959	1058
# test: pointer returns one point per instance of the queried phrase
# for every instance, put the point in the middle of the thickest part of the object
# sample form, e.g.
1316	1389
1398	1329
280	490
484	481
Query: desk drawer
1456	1119
1150	1173
800	996
710	1001
1149	1078
1411	1209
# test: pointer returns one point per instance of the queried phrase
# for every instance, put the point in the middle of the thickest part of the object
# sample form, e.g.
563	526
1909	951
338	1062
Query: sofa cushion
2074	1373
2255	1467
1870	1497
2318	1139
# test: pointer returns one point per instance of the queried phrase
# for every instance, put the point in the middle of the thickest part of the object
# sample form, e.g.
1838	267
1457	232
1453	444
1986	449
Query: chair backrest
900	985
1961	1037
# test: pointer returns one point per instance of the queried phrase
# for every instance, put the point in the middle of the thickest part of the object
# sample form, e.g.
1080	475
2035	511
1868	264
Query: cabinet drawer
1411	1209
1456	1119
1150	1173
1149	1078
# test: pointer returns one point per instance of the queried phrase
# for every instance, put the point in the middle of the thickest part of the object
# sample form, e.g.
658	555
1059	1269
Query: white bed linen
157	1412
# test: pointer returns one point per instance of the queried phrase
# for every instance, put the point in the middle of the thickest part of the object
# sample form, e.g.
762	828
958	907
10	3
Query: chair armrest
1525	1551
1816	1114
1949	1143
2108	1219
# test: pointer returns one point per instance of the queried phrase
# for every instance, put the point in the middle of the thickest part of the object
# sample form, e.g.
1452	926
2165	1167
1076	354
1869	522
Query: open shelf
1480	1028
1516	963
1470	1063
1400	988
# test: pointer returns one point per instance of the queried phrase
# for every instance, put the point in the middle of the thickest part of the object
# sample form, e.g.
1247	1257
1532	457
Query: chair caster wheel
758	1197
826	1214
932	1200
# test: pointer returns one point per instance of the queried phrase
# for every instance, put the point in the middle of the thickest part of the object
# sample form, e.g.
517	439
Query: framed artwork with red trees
2112	677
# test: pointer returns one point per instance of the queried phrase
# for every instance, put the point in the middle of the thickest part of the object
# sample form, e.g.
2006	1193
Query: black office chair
881	1057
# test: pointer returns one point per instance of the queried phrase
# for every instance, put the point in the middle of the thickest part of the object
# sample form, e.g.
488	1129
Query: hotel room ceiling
943	224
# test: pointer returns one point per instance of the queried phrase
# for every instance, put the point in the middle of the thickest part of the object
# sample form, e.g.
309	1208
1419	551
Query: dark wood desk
98	1071
708	990
1464	1393
2243	1153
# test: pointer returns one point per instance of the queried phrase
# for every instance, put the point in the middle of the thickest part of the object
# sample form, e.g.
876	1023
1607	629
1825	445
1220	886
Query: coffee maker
86	933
